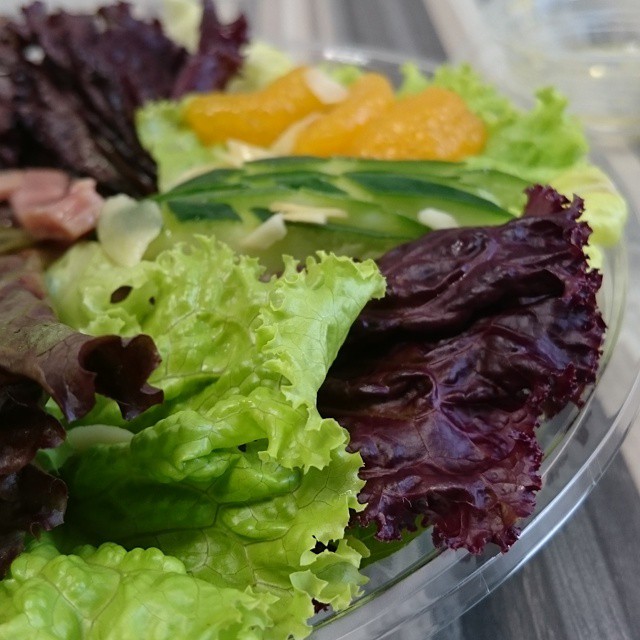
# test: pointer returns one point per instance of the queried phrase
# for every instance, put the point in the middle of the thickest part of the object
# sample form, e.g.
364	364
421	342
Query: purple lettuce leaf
31	501
68	366
218	56
42	358
26	427
484	332
70	85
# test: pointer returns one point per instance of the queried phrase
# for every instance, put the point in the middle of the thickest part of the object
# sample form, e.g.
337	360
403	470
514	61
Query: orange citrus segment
333	132
257	118
435	124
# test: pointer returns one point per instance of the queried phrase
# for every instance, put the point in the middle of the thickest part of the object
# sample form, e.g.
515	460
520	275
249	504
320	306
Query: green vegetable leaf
175	148
537	144
606	210
111	594
236	474
263	63
534	144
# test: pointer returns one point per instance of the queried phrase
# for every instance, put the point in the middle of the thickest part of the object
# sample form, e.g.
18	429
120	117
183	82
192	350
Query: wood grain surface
583	585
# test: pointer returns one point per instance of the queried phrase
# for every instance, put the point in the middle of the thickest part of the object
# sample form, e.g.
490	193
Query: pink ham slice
9	182
50	205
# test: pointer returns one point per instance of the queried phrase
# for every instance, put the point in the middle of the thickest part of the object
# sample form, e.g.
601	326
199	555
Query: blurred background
589	49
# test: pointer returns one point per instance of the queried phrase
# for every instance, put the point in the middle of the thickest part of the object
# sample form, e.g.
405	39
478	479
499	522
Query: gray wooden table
583	585
585	582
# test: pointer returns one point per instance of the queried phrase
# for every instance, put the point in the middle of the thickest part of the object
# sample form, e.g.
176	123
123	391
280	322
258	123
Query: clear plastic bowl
418	590
589	49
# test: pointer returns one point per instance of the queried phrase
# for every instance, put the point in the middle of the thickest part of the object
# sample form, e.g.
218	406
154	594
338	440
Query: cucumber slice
372	205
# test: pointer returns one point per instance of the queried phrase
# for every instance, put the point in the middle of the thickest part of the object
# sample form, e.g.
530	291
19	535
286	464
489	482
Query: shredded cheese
324	87
82	438
436	219
267	234
294	212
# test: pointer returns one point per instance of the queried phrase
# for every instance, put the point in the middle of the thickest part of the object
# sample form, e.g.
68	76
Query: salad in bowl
269	324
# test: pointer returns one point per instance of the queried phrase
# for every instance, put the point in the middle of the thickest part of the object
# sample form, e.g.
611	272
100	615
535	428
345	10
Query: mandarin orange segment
435	124
333	133
257	118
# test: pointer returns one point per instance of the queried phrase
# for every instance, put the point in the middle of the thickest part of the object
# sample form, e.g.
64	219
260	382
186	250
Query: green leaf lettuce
112	594
545	144
236	475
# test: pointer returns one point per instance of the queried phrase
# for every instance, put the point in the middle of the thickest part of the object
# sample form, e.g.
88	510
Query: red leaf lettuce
41	358
482	334
70	85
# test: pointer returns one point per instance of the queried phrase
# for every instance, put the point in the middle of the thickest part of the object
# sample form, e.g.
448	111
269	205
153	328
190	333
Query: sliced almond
436	219
285	144
324	87
267	234
127	227
294	212
239	152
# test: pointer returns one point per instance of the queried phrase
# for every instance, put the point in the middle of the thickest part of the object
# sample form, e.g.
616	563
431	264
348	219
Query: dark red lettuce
31	501
42	358
482	334
70	85
217	58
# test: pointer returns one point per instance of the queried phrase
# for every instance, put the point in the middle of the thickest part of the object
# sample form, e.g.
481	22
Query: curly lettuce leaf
71	367
535	144
110	593
263	63
482	334
75	109
259	342
606	210
175	148
236	474
544	144
235	522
